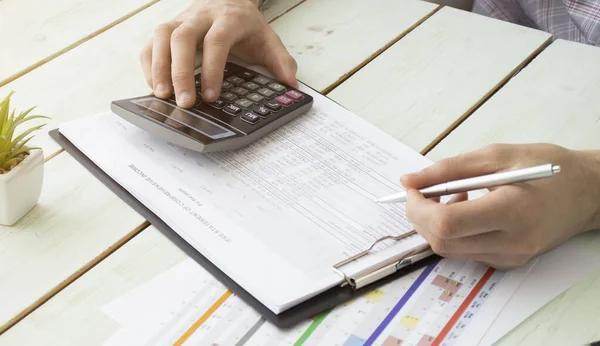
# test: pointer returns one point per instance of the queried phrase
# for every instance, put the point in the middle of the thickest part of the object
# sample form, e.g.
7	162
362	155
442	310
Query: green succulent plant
13	148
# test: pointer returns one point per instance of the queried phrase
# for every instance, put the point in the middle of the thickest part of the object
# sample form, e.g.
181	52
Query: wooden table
435	78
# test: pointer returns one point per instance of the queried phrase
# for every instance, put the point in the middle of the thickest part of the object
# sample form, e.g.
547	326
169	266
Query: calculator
250	105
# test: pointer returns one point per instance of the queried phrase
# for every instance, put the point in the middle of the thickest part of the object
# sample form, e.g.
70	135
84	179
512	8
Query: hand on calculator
220	27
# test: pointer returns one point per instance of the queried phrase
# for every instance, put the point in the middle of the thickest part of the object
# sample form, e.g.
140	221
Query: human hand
510	224
220	27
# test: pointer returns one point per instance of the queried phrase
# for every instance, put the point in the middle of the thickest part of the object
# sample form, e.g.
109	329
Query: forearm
592	167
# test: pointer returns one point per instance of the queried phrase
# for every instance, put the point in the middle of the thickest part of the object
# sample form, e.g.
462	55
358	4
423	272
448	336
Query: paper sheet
553	273
291	205
445	303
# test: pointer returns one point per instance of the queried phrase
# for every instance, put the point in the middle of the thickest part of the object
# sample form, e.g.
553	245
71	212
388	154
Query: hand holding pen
524	213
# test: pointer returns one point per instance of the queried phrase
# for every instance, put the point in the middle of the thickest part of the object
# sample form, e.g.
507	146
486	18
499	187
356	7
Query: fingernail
184	97
209	93
161	88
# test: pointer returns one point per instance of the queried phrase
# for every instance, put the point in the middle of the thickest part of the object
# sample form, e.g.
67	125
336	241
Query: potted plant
21	166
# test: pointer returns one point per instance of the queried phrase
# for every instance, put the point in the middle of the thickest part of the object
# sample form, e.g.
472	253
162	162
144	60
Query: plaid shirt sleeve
573	20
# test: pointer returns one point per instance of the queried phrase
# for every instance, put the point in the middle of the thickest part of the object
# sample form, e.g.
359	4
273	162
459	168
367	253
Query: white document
276	215
442	303
554	272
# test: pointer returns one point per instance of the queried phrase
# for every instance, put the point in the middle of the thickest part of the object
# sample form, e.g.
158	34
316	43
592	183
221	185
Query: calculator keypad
247	96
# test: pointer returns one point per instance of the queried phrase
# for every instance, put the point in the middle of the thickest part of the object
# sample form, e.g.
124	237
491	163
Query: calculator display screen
180	119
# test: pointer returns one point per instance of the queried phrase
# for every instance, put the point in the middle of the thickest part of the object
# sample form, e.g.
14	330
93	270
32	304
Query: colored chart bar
311	328
442	335
400	303
203	318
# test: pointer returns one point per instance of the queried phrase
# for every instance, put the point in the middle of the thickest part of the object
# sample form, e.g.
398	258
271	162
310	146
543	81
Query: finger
499	261
459	197
488	160
161	60
279	61
494	242
184	42
215	49
461	219
146	62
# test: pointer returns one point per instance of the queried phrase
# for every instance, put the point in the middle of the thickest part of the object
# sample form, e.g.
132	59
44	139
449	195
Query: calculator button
244	103
273	105
218	103
294	95
232	109
236	80
250	117
229	96
284	100
266	92
240	91
246	75
278	88
227	86
251	86
261	80
255	98
262	111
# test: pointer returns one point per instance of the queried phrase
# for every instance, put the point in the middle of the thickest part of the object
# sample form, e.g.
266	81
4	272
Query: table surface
441	80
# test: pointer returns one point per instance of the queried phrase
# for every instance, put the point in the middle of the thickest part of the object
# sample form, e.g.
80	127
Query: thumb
479	162
279	61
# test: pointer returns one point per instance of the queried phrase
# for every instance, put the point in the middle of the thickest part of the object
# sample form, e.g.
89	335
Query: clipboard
350	288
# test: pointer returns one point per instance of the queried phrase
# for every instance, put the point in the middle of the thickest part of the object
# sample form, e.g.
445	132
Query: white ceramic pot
21	187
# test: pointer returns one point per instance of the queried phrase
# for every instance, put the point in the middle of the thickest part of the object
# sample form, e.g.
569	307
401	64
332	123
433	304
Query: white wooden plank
74	316
556	100
279	7
32	31
77	83
76	220
438	73
344	33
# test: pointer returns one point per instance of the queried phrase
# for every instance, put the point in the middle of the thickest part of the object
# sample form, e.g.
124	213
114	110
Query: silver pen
480	182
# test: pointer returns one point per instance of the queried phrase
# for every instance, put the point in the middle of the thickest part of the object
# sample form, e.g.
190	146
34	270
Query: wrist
591	166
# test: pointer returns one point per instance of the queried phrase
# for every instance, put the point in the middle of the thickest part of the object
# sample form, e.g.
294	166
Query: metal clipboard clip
389	267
